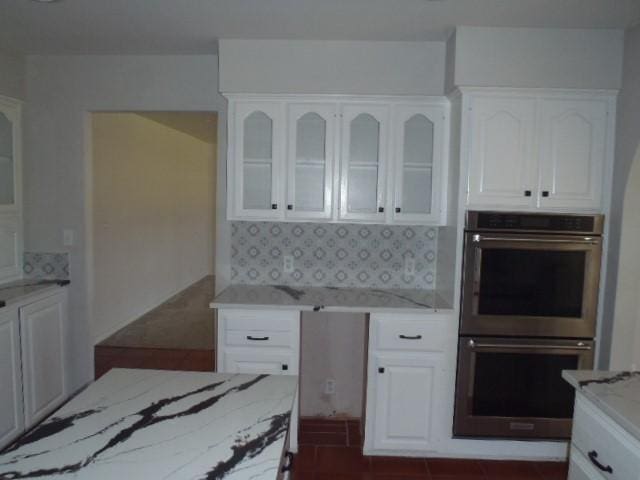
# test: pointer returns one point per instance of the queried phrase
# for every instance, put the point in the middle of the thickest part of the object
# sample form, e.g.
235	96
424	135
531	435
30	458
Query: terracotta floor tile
344	476
553	470
460	476
503	470
323	438
341	460
453	466
403	477
305	459
398	466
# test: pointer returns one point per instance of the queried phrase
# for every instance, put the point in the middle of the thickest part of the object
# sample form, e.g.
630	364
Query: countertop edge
330	308
30	296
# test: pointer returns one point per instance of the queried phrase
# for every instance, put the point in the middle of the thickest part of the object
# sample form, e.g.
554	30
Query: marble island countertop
162	424
328	299
13	292
617	394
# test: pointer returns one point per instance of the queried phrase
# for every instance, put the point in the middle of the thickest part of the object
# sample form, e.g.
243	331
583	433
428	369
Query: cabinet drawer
259	362
411	332
581	469
259	338
259	320
601	440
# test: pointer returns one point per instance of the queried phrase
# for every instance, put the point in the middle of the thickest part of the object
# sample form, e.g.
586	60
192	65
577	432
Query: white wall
62	90
332	346
12	76
538	57
289	66
627	144
153	215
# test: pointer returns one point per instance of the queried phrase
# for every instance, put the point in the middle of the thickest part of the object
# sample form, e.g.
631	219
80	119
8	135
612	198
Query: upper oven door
530	285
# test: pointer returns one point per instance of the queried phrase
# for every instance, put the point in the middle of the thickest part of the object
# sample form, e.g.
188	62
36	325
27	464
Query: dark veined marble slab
162	424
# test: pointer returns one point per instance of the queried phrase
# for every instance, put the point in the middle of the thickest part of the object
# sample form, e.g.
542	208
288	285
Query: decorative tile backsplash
46	266
339	255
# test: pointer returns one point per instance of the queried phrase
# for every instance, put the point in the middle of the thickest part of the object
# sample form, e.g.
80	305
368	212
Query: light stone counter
329	299
144	424
616	393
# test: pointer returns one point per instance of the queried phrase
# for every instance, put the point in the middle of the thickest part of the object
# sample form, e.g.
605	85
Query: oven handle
480	238
577	346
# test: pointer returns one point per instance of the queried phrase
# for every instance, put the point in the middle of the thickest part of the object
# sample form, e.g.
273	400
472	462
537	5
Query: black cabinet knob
274	206
527	193
380	369
285	367
545	193
398	209
289	207
381	209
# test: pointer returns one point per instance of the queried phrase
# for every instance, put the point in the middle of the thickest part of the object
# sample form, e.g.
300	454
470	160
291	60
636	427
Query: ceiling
193	26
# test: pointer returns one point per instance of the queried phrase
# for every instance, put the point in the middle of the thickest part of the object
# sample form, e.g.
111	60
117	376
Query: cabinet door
9	154
257	160
258	361
418	157
10	247
573	136
363	159
11	415
502	167
406	395
43	338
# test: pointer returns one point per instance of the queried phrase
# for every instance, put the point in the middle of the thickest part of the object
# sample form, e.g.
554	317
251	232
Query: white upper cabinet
9	154
364	156
328	158
417	163
538	150
310	160
501	163
573	138
258	152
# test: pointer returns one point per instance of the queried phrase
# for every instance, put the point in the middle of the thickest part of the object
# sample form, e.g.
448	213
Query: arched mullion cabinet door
418	163
364	162
310	160
258	169
10	166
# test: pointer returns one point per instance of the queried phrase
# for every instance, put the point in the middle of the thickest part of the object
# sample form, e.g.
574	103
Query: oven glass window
546	283
522	385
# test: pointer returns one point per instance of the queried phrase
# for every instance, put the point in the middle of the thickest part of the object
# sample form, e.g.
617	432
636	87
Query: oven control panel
534	222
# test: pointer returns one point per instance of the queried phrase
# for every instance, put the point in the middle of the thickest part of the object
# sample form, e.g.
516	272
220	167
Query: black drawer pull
257	339
380	209
289	207
545	193
288	463
285	367
410	337
274	206
380	369
398	209
527	193
593	456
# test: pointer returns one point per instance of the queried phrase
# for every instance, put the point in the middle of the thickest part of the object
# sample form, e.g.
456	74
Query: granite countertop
616	393
328	299
162	424
13	292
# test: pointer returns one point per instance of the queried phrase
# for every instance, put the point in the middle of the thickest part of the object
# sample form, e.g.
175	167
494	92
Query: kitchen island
162	424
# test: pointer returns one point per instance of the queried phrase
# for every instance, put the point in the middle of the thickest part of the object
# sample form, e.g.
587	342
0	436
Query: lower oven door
512	387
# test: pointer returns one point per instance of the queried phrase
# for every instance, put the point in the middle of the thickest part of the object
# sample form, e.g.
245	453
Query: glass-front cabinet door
259	145
363	159
418	148
9	155
311	143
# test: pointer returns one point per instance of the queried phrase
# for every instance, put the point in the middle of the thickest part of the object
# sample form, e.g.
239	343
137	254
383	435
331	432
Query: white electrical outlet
288	263
68	237
409	266
329	386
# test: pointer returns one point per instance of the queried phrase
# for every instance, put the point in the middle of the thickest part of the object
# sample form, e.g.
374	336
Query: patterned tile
343	255
46	266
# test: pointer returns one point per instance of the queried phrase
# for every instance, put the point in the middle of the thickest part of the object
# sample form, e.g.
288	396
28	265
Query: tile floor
332	450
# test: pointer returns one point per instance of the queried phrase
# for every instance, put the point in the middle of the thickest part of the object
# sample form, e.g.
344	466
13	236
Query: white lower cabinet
405	397
43	338
33	373
11	409
408	383
263	342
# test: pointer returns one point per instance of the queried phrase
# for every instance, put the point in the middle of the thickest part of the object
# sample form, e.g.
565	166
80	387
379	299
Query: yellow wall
153	215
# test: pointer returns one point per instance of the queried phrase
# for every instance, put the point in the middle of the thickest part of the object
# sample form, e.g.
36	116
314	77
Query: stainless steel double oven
528	311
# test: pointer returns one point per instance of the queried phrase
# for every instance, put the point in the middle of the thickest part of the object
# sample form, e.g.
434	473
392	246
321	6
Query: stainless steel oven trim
468	425
471	323
598	222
